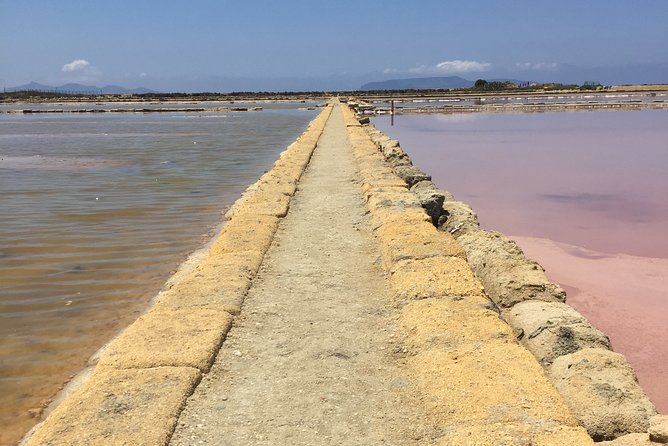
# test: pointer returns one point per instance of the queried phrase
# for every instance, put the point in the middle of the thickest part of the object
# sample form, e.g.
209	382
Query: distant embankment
134	110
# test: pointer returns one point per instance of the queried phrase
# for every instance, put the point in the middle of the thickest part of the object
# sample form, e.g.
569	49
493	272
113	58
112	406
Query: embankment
479	383
598	385
138	383
471	308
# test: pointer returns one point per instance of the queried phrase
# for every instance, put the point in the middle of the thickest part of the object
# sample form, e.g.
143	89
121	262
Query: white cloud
80	70
390	70
536	66
462	66
143	74
76	65
452	67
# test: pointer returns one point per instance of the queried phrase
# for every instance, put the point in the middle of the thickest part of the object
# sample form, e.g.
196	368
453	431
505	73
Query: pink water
582	193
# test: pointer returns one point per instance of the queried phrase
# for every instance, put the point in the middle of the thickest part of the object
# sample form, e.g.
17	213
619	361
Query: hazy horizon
261	45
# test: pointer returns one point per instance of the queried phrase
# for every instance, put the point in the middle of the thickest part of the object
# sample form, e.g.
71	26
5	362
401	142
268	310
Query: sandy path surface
315	357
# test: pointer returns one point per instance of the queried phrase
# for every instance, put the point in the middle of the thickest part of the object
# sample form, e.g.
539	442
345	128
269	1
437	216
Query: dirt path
315	356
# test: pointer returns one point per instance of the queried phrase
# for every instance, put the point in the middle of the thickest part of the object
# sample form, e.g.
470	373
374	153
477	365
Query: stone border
143	377
598	385
478	382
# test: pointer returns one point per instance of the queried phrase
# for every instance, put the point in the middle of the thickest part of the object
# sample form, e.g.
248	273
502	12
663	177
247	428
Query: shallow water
571	186
96	211
593	179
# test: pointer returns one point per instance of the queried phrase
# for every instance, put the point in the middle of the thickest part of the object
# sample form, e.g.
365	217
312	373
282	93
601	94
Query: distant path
313	358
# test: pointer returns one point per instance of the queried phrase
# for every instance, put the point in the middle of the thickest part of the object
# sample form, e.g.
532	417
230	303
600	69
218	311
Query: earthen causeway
348	300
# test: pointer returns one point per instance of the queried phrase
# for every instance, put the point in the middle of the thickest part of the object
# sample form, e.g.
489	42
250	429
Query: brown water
96	211
584	194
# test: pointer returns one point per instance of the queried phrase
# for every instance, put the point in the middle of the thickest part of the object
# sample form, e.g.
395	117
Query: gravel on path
316	355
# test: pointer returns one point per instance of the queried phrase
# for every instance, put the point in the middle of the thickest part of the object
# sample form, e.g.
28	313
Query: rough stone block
369	191
397	199
120	407
488	382
237	263
408	217
602	390
411	174
516	434
450	323
507	275
433	277
219	282
266	202
420	240
457	218
389	180
430	198
282	180
224	295
245	233
553	329
373	164
629	440
291	168
177	337
658	428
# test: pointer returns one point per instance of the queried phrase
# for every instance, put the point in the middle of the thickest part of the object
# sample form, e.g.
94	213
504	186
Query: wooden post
392	113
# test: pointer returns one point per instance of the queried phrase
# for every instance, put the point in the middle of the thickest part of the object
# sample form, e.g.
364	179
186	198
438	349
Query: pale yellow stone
370	189
449	324
433	277
245	232
384	216
516	434
219	282
382	181
280	180
401	241
177	337
266	202
487	382
292	168
224	294
396	198
138	407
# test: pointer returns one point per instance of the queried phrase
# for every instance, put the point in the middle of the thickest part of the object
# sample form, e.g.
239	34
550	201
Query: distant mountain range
426	83
80	88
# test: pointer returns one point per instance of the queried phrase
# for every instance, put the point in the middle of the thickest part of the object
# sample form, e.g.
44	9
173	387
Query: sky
299	45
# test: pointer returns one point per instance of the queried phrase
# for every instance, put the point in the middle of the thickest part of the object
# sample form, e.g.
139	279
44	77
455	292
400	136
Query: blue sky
304	45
